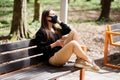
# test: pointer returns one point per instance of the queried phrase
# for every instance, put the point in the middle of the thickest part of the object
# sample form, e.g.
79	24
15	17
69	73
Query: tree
28	1
88	0
37	10
105	10
18	27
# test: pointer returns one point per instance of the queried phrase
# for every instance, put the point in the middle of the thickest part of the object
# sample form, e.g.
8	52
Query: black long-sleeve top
43	46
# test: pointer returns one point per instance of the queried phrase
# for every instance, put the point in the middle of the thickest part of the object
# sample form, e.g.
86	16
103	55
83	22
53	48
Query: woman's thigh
62	56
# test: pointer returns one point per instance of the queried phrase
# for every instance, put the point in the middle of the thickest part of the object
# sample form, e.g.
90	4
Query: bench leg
82	74
82	71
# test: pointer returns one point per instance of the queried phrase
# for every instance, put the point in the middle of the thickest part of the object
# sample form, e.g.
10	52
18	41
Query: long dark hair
44	24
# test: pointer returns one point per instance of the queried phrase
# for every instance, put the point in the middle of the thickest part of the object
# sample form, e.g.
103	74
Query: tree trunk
36	10
105	10
28	1
112	0
88	0
18	28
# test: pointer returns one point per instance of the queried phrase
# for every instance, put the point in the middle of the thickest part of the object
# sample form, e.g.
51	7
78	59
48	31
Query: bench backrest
17	55
115	26
114	37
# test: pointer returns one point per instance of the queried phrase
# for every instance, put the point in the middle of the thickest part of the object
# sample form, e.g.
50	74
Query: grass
86	5
80	11
6	3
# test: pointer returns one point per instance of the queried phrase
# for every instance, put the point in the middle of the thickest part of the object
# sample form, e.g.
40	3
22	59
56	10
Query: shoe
82	64
95	67
86	65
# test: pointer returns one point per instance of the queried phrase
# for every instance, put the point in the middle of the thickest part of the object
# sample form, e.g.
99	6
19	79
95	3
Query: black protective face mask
53	19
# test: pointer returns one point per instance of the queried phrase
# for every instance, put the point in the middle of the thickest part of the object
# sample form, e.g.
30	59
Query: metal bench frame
112	37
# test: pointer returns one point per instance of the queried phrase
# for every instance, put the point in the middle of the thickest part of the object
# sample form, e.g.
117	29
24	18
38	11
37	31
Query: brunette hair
44	24
45	14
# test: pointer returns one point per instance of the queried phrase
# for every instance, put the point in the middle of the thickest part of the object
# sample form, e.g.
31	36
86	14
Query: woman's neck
50	25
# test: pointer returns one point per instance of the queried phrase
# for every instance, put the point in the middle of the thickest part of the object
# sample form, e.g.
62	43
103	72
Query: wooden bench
20	61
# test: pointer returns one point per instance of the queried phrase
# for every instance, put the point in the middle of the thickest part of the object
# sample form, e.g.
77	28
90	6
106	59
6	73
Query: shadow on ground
113	58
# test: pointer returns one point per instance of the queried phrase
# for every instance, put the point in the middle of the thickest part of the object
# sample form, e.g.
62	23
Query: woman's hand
58	20
59	42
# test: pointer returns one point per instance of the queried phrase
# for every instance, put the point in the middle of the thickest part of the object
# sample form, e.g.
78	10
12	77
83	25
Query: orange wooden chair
112	38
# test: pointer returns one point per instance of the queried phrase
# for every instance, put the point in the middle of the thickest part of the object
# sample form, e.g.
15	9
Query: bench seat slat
42	72
14	66
17	65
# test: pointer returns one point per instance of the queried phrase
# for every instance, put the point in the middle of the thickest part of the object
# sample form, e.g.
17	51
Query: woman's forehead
51	12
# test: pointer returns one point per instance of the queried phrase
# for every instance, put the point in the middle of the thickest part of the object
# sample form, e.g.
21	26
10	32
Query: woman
56	49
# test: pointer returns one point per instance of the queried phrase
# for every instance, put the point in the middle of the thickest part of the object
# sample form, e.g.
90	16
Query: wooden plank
42	72
14	66
16	45
13	56
16	55
29	73
115	26
116	38
8	67
54	72
22	72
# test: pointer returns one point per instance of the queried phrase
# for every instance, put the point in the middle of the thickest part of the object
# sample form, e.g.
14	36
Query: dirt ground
93	37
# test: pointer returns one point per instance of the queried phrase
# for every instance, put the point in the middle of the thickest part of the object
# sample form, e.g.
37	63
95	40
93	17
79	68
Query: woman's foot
86	65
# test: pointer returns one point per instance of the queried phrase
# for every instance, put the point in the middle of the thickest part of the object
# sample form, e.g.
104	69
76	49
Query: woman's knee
73	31
84	48
74	42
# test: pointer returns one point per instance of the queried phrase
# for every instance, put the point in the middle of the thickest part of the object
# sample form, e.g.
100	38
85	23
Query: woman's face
51	13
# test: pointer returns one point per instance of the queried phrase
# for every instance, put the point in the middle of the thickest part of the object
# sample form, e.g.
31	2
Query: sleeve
42	45
65	29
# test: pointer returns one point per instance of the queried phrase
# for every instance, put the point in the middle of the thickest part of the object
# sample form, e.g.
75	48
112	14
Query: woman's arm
59	42
43	45
41	41
65	28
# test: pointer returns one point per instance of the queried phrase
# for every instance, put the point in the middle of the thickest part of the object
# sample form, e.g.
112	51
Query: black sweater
43	46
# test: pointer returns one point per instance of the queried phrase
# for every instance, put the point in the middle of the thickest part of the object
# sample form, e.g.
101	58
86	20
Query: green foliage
116	5
5	16
33	27
6	3
76	7
4	13
3	22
